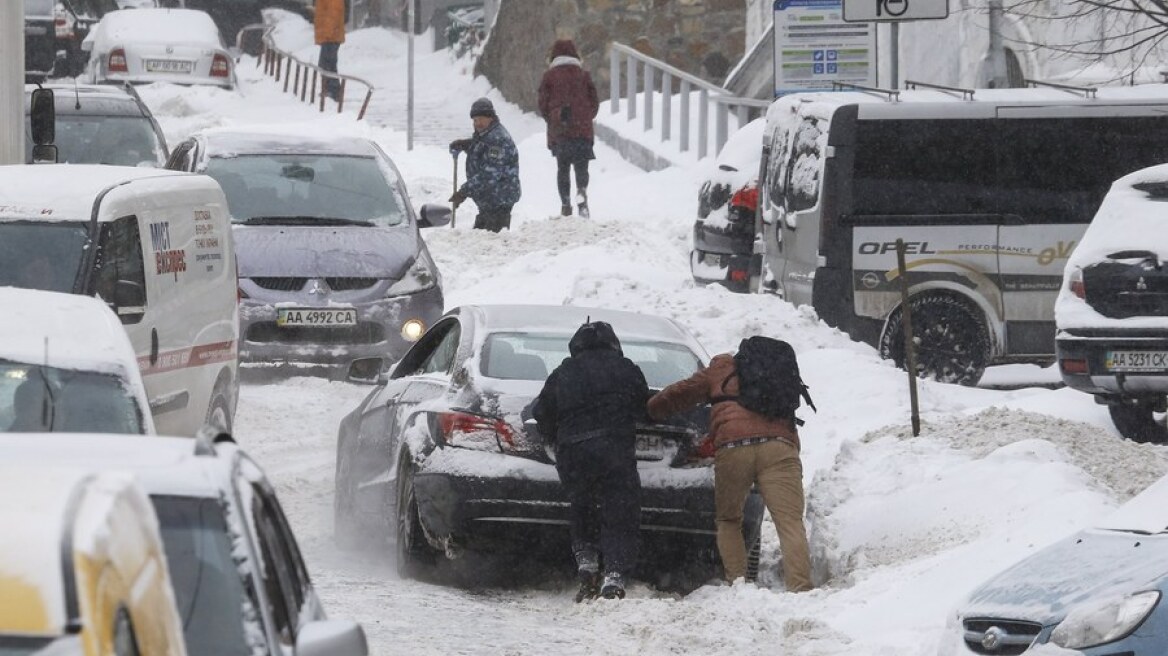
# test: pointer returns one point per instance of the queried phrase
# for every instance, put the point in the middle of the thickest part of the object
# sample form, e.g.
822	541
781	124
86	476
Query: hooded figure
568	103
588	409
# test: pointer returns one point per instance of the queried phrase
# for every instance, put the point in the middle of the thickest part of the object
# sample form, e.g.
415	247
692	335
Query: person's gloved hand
457	198
459	145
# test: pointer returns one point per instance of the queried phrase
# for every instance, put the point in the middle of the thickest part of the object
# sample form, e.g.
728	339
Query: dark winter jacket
492	169
729	421
597	392
567	96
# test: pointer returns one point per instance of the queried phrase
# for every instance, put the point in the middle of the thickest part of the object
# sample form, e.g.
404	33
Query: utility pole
413	12
996	57
11	82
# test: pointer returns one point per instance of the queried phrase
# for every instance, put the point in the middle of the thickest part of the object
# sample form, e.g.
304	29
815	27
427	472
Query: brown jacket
329	21
728	420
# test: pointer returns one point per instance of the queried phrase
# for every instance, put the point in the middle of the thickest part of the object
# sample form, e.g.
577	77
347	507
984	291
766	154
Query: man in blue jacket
492	169
589	408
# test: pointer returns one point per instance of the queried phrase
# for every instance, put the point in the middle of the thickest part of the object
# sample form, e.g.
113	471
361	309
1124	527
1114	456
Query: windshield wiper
304	220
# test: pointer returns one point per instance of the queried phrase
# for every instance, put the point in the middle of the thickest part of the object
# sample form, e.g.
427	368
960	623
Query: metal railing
656	82
279	64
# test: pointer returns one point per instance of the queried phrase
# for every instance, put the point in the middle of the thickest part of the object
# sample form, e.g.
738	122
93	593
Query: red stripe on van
196	356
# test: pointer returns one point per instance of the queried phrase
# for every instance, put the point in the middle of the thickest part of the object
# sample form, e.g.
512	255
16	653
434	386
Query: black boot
589	585
614	586
565	210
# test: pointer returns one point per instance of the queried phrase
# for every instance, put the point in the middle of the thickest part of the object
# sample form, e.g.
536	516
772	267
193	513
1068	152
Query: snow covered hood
67	331
62	192
326	251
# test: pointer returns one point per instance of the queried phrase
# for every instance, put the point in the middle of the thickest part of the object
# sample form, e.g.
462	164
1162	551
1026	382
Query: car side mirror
365	371
434	215
44	154
331	638
42	117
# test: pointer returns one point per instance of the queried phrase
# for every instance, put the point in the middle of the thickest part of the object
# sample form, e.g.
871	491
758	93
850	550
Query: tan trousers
776	468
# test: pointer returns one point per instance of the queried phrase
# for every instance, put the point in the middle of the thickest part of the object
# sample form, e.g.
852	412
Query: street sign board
863	11
815	47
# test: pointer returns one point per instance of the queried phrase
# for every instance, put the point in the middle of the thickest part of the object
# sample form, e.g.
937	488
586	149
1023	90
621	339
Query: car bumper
147	78
480	506
1099	378
377	333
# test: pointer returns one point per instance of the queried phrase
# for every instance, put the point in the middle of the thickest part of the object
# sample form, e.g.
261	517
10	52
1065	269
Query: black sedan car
723	237
439	457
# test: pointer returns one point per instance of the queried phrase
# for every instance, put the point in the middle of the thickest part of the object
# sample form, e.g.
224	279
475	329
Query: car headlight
422	275
1098	623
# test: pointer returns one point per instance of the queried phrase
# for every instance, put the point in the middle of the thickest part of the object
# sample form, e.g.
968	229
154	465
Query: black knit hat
483	107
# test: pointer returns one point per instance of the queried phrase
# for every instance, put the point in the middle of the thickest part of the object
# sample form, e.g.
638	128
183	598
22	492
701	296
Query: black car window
442	358
121	273
40	399
529	356
116	140
207	584
41	255
311	189
280	575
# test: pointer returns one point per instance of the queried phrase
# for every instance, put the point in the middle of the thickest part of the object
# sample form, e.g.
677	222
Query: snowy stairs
435	123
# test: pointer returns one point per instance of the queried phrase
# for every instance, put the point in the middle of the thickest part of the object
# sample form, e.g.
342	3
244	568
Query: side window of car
442	359
414	361
281	572
121	272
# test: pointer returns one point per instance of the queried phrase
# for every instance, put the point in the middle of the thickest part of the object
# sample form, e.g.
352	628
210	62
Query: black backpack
768	379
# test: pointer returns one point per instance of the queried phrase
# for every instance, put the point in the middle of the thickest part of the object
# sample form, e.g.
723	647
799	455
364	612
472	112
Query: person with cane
492	169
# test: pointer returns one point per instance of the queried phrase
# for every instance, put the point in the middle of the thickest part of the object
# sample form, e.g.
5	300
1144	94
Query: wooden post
910	350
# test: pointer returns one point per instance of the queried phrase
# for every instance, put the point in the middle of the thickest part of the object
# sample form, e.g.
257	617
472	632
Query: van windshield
42	399
307	190
41	255
116	140
207	584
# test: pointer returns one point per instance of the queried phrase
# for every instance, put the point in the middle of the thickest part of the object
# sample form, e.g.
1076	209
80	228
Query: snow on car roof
31	562
567	318
1129	218
64	192
162	465
88	100
163	26
65	330
227	142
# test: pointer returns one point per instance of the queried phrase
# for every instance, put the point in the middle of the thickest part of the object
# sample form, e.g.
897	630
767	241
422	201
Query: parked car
240	583
154	244
182	46
1112	310
101	125
40	40
438	456
723	239
74	21
82	570
1098	592
66	365
332	267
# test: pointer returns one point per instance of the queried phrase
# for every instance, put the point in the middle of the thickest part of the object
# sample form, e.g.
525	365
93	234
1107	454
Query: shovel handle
454	208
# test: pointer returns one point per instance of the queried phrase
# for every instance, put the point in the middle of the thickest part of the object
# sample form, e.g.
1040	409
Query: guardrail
278	64
655	81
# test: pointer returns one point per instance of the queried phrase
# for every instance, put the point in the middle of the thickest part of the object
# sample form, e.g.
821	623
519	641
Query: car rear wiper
304	220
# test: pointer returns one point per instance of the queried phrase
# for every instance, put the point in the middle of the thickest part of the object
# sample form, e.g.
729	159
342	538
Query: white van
156	246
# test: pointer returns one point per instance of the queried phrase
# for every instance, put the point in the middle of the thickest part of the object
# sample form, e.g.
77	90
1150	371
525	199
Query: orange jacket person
329	21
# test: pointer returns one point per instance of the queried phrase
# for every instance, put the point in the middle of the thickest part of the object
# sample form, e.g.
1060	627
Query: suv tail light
470	431
1076	284
746	197
117	61
220	67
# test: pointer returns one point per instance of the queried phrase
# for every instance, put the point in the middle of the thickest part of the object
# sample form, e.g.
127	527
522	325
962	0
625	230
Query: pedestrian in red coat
568	103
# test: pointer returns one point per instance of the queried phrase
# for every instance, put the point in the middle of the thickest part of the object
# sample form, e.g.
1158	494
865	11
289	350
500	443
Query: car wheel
953	345
414	555
346	531
218	413
1137	422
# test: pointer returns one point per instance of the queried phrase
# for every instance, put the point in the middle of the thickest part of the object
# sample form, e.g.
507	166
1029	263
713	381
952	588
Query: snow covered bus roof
67	192
933	103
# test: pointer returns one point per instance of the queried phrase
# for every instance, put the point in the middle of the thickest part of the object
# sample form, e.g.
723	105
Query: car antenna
76	96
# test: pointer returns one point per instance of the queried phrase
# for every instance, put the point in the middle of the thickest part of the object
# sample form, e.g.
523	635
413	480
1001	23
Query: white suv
1112	311
241	585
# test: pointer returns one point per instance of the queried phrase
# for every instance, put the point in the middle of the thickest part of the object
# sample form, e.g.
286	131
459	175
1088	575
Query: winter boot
589	585
614	586
565	208
582	203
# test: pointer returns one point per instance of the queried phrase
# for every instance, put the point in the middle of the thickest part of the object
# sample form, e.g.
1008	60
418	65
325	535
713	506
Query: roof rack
893	94
1087	91
966	94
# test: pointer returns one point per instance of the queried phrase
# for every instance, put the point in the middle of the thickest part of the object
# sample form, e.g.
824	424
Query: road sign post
894	12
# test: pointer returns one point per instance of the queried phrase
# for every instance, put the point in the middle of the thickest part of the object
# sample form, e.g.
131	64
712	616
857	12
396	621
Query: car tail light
117	61
220	67
470	431
1073	365
1077	286
739	275
746	197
